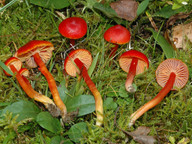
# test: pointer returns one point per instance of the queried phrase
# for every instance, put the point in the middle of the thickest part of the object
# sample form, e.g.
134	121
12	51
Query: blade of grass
6	68
166	47
93	65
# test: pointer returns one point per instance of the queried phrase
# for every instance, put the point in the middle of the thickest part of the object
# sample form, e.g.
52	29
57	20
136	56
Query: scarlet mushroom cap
13	61
176	66
133	62
117	34
83	55
24	72
73	27
126	58
25	53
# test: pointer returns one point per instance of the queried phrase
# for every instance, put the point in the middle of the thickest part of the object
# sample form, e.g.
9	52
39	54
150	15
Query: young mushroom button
38	52
171	74
133	62
117	35
73	28
77	62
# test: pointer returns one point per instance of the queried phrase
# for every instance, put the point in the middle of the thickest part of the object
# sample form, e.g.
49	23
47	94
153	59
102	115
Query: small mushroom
117	35
73	28
38	52
171	74
133	62
14	65
77	62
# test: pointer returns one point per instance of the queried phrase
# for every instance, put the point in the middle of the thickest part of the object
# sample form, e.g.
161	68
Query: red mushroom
117	35
38	52
73	28
15	65
77	62
171	74
133	62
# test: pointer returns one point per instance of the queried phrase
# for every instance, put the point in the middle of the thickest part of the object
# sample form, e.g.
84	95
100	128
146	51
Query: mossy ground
172	117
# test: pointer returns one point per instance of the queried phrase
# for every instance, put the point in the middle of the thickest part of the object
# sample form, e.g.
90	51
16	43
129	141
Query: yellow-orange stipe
171	74
77	62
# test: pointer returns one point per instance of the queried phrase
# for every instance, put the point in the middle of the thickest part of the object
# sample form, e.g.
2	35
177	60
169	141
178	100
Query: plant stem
156	100
93	89
131	74
52	85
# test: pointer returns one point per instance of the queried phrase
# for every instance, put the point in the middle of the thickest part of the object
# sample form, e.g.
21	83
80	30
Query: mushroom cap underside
83	55
172	65
126	59
117	34
73	27
25	53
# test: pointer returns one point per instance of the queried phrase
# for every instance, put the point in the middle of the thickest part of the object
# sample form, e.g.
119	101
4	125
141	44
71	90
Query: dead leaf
172	19
181	33
2	2
126	9
141	135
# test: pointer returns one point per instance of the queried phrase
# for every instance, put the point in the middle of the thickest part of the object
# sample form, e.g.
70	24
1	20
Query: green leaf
46	121
76	132
63	91
123	92
85	104
107	10
166	47
109	104
142	6
93	65
55	4
25	109
60	139
167	12
6	68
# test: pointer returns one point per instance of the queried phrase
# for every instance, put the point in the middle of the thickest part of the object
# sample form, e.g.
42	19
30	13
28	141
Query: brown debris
181	33
141	135
126	9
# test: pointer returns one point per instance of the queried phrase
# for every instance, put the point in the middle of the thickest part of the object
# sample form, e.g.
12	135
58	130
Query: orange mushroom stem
77	62
93	89
15	65
37	53
171	74
131	74
49	104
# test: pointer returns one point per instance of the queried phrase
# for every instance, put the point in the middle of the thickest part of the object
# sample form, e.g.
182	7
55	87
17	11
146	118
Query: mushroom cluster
171	74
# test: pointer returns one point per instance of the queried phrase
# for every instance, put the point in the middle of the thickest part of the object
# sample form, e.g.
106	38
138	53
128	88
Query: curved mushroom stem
130	76
72	42
49	104
93	89
114	49
156	100
25	84
52	85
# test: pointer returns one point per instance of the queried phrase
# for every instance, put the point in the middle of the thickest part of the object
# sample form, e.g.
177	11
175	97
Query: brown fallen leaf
141	135
173	18
126	9
181	33
2	2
